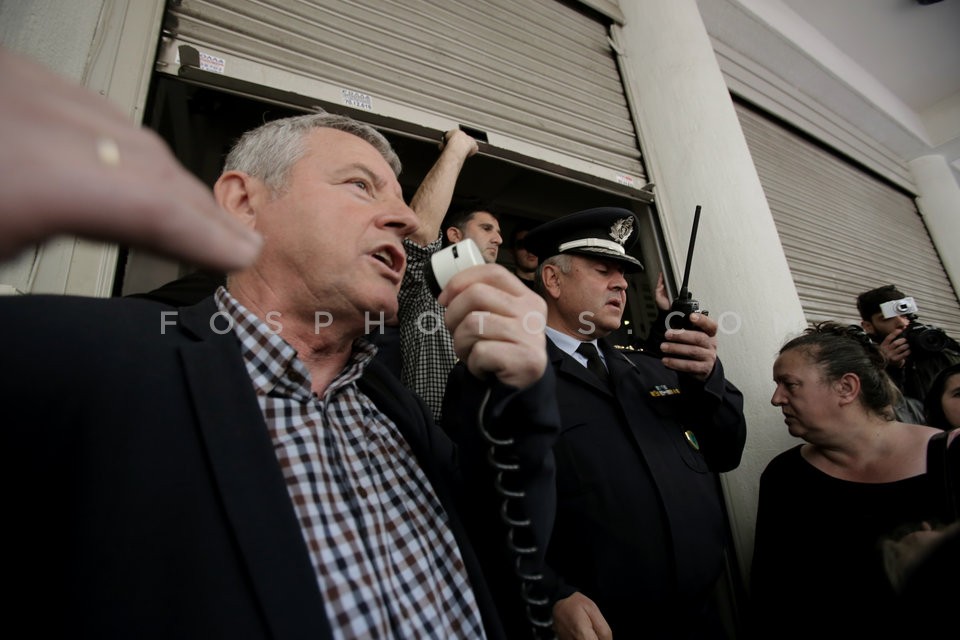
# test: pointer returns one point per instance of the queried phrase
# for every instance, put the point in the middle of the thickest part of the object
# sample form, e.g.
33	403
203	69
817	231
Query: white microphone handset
449	261
445	264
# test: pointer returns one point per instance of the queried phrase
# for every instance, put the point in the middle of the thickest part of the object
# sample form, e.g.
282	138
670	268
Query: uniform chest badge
692	440
662	390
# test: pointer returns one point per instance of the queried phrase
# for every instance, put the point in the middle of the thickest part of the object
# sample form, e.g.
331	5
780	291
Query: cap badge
622	229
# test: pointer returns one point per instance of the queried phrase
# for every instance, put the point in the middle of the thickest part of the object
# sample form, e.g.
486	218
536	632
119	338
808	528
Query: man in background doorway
525	263
426	345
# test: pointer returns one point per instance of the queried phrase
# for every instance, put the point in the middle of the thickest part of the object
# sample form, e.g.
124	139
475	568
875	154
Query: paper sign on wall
356	99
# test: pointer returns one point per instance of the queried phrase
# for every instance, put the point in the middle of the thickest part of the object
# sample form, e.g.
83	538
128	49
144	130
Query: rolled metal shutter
539	72
843	230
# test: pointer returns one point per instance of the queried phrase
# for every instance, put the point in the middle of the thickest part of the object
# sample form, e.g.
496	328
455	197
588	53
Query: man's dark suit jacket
143	498
640	526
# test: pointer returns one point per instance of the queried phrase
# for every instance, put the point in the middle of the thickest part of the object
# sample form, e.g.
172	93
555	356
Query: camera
901	307
449	261
924	338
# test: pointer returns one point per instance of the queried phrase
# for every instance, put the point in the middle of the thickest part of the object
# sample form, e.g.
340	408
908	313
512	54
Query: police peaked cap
606	233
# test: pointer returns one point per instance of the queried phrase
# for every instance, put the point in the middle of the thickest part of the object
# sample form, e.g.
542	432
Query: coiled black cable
537	607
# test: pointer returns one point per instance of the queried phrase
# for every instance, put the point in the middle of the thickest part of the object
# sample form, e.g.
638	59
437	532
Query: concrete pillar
696	154
939	204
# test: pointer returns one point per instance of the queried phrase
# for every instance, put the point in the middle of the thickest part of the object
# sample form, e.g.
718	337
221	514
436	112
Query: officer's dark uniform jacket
640	526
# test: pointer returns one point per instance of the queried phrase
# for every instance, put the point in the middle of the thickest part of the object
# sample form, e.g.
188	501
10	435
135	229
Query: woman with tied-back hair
828	503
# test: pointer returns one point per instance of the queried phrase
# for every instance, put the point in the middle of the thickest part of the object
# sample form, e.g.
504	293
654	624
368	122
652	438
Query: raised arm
433	198
73	163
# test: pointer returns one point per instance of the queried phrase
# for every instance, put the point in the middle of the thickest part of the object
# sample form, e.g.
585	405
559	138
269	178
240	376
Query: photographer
915	352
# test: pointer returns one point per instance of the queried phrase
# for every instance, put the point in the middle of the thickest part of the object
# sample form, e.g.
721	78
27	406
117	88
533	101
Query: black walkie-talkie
684	304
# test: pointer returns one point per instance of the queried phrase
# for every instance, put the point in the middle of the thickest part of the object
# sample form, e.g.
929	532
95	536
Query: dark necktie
594	363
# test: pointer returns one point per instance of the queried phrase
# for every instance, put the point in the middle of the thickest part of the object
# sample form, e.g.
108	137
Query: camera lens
932	340
903	307
925	338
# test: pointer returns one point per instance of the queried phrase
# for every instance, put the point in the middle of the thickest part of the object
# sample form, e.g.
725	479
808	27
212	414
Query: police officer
639	536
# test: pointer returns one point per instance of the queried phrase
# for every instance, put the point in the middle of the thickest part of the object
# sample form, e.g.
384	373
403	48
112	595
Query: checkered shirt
386	560
426	346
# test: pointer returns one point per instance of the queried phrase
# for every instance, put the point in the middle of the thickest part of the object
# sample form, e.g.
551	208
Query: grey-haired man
243	467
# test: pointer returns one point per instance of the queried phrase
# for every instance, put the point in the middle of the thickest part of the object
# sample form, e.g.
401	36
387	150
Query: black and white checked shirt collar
386	561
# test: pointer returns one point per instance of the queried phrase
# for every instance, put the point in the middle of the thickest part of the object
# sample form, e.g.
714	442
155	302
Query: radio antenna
684	293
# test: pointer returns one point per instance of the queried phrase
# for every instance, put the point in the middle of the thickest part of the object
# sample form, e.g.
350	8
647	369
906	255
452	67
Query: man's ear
868	327
235	192
550	274
454	235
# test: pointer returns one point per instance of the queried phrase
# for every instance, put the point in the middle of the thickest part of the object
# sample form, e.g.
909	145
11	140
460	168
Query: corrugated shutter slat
537	71
843	230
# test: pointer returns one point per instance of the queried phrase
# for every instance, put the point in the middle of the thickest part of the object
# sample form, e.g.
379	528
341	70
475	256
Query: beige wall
697	154
939	204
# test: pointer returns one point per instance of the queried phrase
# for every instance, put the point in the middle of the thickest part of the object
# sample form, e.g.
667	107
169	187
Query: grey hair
269	151
562	261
